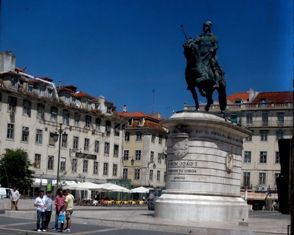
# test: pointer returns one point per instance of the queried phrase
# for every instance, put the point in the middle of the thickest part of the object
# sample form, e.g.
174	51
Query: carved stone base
201	208
203	170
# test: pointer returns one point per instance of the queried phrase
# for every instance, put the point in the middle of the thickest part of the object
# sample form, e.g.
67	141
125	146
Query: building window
96	146
88	121
75	145
27	108
263	135
247	157
153	138
277	175
248	138
40	111
151	175
95	168
52	139
262	178
234	118
125	173
127	136
117	129
37	162
86	144
97	123
246	179
62	164
65	117
12	102
164	177
280	118
264	117
160	139
151	156
54	113
138	155
10	131
158	176
77	118
39	136
277	158
105	169
115	150
159	158
126	155
50	163
262	157
64	141
85	166
279	134
25	134
249	118
106	148
74	165
114	170
137	174
108	128
138	136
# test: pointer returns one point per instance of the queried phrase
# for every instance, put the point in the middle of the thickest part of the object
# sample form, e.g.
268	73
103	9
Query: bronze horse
199	74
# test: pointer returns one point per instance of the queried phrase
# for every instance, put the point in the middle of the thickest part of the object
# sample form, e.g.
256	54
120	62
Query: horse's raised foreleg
195	97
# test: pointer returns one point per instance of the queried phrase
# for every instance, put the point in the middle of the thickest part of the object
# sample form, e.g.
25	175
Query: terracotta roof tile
64	89
83	95
274	97
137	115
244	96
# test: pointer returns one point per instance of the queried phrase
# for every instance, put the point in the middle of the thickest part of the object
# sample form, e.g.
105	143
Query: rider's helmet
207	23
207	26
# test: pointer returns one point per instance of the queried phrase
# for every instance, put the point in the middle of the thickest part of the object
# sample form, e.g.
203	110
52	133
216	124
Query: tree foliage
14	168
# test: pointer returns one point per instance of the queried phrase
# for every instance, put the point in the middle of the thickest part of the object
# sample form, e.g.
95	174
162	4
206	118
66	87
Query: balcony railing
259	123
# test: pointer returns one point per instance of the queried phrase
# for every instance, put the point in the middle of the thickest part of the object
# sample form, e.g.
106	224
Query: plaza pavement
259	222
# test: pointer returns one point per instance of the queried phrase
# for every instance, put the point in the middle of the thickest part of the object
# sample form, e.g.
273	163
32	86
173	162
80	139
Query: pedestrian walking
59	205
40	205
69	203
48	208
14	197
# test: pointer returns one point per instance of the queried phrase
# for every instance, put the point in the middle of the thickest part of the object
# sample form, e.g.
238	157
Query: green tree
14	168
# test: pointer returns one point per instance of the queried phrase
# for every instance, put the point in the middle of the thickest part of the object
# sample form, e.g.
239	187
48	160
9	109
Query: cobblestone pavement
92	219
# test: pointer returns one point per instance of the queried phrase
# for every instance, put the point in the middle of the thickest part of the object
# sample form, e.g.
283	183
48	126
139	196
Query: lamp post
59	136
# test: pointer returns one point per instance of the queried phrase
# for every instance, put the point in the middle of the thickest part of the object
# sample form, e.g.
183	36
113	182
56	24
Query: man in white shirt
40	205
14	198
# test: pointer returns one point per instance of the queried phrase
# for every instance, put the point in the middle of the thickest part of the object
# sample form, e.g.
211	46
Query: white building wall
19	120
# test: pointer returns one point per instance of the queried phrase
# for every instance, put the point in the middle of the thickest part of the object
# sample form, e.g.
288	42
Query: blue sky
130	51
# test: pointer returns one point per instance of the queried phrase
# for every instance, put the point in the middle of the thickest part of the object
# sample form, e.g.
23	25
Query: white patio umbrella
113	188
140	189
83	186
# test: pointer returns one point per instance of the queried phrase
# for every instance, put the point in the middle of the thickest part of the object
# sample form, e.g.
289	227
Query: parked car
4	193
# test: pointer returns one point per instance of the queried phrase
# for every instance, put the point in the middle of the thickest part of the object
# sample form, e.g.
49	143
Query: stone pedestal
203	170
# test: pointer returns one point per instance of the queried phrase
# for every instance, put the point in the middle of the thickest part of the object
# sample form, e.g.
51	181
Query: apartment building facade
35	114
269	116
144	153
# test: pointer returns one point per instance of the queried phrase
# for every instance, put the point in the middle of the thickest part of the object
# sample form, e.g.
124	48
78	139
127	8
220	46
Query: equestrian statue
202	69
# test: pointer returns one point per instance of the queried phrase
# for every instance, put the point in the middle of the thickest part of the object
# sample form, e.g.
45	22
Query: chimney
125	108
7	62
252	94
101	104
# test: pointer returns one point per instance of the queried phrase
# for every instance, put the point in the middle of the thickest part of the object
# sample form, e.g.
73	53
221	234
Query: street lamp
58	135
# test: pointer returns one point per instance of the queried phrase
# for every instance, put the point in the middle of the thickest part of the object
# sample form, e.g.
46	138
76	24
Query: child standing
61	219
